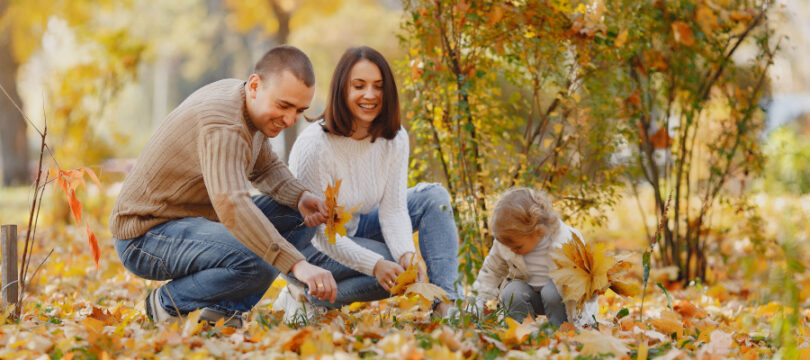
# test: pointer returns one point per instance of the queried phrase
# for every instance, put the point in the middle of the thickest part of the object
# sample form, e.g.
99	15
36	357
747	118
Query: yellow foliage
338	216
582	270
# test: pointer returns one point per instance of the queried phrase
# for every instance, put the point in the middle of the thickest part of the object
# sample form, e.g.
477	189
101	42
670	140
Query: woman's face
364	97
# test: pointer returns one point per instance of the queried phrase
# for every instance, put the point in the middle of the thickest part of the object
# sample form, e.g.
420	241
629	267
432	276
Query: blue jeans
431	215
207	266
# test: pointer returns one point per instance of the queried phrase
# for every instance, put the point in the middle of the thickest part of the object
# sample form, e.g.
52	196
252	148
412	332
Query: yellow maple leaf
338	215
515	332
582	270
405	279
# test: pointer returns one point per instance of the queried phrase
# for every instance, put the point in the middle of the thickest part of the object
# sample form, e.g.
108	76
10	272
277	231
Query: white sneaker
295	310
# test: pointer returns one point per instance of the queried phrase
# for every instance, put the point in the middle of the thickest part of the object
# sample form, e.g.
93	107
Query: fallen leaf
294	344
515	333
427	291
719	346
688	310
94	250
595	343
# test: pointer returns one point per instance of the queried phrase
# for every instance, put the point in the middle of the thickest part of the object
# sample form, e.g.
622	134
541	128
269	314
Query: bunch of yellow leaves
338	215
407	284
584	271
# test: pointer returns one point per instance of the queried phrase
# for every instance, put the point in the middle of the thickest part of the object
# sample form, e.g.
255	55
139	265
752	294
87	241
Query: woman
359	141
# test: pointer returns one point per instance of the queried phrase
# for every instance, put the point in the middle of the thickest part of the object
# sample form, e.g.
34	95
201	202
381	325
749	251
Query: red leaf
75	206
91	238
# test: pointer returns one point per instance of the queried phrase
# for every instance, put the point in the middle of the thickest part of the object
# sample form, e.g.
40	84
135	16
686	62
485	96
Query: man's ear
254	82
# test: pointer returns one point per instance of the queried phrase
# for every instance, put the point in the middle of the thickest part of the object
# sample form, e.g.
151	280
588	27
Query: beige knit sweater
200	162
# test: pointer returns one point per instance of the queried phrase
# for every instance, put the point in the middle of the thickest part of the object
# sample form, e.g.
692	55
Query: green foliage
788	167
513	94
695	105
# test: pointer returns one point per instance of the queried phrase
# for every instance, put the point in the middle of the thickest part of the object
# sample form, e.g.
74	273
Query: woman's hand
313	209
386	273
409	258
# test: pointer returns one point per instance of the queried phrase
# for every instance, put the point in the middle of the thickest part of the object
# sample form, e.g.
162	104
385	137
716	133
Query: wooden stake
8	266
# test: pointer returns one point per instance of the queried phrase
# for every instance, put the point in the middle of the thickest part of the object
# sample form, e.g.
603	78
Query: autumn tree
695	106
274	20
508	94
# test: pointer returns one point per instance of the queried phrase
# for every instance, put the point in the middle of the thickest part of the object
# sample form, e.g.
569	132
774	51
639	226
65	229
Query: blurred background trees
611	106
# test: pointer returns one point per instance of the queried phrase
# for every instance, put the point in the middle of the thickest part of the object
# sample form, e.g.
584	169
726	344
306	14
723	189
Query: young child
526	230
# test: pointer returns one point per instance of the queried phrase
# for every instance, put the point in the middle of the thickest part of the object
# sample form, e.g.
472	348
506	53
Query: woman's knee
435	193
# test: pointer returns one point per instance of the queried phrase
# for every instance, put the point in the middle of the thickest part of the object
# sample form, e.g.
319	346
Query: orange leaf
75	206
92	176
94	250
689	310
661	139
294	344
682	33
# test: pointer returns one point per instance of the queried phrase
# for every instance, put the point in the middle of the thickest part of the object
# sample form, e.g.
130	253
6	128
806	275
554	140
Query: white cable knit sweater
371	174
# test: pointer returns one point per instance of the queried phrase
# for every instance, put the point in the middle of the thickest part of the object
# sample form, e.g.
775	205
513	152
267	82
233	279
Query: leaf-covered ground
76	312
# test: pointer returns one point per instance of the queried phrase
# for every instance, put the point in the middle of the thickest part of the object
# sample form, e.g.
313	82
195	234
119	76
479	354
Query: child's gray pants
520	299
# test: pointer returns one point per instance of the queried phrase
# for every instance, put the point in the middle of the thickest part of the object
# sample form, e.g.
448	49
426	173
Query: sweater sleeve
224	156
306	162
395	221
492	273
272	177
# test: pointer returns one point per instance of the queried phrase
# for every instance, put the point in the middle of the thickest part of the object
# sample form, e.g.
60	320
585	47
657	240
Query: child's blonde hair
524	211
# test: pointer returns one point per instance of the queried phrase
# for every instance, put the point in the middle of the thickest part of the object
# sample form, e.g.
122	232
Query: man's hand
320	282
312	209
409	258
386	273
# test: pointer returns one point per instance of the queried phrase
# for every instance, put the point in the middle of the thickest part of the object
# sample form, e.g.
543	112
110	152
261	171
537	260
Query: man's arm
272	177
224	155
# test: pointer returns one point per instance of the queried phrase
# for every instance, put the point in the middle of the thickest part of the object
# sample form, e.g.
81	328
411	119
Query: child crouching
517	270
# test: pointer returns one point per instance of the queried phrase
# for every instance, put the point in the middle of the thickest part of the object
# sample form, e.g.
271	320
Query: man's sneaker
212	316
155	311
294	309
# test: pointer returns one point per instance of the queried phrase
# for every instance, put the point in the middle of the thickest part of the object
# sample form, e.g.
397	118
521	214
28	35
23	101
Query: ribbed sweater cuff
290	194
367	264
287	257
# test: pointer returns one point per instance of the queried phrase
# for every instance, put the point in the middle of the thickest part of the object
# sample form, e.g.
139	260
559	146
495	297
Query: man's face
275	103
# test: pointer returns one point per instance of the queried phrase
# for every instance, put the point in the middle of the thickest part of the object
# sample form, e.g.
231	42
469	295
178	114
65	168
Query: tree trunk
13	149
283	17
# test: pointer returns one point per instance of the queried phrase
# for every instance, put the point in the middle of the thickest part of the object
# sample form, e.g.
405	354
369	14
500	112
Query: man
185	214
